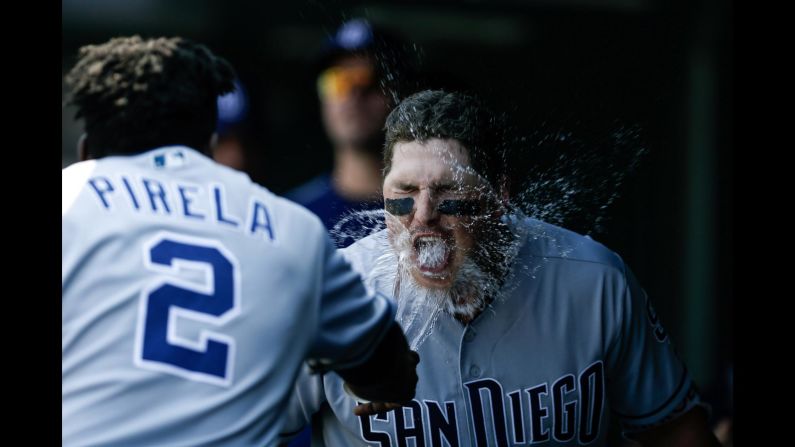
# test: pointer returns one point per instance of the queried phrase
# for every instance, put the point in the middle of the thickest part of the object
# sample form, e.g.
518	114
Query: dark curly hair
137	94
455	115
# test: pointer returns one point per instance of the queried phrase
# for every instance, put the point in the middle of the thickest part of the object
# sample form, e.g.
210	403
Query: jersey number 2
199	285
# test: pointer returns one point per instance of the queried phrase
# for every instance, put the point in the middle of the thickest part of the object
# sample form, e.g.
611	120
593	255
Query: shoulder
73	177
364	253
291	214
556	243
311	191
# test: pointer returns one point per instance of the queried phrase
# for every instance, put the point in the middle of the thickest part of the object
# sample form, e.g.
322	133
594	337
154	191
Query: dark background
661	66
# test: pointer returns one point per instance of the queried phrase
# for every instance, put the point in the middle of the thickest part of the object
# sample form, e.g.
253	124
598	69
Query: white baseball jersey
571	340
191	296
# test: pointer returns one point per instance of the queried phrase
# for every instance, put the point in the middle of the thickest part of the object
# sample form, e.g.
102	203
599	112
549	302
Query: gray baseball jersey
570	339
191	296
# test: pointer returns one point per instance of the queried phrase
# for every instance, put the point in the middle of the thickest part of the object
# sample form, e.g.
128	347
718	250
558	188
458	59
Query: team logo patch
170	159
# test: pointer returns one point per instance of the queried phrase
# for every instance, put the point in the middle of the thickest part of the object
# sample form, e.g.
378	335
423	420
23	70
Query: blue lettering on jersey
517	416
370	435
551	412
186	201
591	401
260	218
101	189
193	202
158	345
537	413
563	419
155	190
404	431
494	391
219	208
442	425
130	192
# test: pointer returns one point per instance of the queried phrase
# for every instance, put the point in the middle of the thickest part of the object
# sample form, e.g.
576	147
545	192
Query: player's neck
356	175
466	319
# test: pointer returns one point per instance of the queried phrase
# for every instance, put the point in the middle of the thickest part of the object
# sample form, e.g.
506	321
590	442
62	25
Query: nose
425	212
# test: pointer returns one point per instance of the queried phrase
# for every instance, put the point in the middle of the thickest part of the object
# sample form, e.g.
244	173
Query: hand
399	386
372	408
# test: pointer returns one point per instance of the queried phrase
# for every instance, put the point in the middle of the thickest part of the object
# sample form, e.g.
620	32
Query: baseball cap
232	108
353	36
360	36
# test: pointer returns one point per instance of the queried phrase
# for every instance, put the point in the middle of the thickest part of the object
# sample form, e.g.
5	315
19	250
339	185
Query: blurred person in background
360	70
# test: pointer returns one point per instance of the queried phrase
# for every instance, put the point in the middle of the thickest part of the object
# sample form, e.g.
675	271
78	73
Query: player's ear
213	143
82	148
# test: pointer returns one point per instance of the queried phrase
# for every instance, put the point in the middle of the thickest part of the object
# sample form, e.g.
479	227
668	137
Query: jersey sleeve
352	319
648	384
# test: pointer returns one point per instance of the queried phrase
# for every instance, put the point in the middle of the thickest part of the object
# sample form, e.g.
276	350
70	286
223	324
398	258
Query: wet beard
472	289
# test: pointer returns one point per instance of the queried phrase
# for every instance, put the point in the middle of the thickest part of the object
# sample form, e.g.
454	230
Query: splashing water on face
431	253
577	184
357	225
572	189
419	307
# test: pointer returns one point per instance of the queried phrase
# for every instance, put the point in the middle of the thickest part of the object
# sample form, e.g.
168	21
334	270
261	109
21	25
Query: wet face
353	107
434	209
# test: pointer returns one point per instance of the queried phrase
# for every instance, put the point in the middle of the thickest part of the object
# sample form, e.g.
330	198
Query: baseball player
191	296
529	333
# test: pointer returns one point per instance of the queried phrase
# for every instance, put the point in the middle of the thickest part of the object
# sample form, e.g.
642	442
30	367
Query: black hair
137	94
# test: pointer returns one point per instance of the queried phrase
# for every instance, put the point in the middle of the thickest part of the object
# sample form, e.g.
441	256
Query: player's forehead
434	161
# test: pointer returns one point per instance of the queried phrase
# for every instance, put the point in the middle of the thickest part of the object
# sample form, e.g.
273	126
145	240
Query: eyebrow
405	185
443	186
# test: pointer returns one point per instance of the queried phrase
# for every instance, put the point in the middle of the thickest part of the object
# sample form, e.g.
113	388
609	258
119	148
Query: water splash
572	181
578	184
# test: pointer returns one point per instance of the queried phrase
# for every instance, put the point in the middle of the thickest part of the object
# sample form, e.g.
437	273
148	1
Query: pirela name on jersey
568	409
187	201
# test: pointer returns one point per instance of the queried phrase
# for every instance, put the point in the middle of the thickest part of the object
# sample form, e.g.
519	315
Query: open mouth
431	254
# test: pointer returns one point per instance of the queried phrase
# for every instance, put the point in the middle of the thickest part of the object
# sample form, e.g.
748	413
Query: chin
441	280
